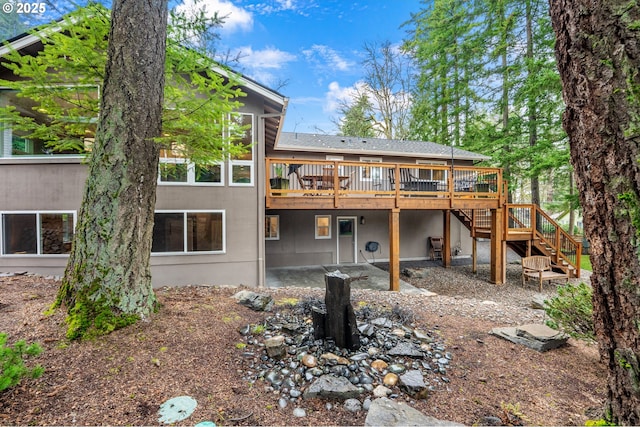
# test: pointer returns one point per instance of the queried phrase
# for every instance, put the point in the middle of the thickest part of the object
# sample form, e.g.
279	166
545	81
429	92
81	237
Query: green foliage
357	118
598	423
572	311
12	362
64	81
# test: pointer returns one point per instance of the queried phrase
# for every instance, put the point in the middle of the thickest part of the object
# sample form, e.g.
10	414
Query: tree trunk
531	102
107	283
598	55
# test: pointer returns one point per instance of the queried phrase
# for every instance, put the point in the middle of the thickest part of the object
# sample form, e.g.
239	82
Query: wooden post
446	244
394	249
474	255
498	269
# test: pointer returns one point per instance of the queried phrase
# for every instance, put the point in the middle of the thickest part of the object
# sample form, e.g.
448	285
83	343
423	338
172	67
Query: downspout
260	176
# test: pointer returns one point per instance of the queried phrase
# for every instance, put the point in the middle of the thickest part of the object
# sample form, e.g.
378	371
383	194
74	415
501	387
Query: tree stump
339	320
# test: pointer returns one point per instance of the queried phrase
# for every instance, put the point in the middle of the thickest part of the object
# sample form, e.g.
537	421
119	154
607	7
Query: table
318	182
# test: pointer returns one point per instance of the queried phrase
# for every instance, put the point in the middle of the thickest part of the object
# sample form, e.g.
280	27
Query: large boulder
332	387
387	412
255	301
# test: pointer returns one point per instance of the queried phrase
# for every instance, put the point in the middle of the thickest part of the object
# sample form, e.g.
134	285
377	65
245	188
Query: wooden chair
540	268
435	250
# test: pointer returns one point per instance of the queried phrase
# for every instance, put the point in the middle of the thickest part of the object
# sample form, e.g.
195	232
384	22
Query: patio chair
436	244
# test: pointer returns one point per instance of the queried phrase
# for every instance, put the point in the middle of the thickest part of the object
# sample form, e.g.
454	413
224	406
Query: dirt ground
189	348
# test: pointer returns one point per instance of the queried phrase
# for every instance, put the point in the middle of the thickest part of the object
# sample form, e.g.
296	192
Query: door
347	240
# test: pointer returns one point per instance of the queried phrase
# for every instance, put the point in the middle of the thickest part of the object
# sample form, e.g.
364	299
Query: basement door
347	240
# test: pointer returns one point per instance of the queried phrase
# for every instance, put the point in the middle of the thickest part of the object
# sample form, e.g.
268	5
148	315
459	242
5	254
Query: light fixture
362	220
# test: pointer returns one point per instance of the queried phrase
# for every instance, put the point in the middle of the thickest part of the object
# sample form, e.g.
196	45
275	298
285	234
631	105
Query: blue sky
315	46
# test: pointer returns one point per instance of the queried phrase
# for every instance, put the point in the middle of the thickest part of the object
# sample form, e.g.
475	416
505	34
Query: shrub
12	362
572	311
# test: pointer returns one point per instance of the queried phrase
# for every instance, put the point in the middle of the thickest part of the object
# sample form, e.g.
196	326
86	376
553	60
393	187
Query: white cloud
236	18
260	63
276	6
338	96
327	58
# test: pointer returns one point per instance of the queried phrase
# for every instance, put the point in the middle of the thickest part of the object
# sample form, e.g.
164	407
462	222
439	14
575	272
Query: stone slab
538	337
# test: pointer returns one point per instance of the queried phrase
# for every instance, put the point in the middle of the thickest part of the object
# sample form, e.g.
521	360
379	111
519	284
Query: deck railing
529	218
317	178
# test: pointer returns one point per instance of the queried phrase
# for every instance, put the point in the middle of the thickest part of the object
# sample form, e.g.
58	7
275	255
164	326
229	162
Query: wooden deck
359	185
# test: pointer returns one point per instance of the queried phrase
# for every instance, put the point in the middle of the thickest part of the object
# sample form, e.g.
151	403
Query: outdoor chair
435	250
540	268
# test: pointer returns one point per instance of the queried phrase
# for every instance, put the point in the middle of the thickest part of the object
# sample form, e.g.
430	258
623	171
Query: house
294	199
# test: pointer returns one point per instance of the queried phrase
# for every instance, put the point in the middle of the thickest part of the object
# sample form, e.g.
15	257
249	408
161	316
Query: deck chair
293	169
436	244
407	181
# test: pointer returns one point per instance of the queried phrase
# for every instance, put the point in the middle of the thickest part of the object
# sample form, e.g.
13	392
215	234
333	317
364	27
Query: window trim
377	177
277	236
318	237
251	163
191	173
184	213
38	214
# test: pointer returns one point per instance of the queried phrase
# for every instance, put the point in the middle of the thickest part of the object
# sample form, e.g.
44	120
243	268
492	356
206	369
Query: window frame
316	227
38	224
185	241
250	163
191	173
277	227
375	172
432	163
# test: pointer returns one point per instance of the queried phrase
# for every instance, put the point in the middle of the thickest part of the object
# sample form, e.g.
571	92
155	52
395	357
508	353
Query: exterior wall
297	244
46	184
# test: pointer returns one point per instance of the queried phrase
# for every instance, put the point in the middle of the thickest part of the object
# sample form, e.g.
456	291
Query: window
369	173
36	233
70	119
431	174
272	227
241	166
176	169
323	226
188	232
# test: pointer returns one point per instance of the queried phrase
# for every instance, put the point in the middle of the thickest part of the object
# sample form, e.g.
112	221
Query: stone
405	349
382	322
335	358
309	361
386	412
379	365
331	387
176	409
422	336
412	383
538	302
340	320
276	347
353	405
255	301
536	336
299	413
416	273
390	379
381	391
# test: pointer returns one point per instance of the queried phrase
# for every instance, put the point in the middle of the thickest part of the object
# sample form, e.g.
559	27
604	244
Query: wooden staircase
528	230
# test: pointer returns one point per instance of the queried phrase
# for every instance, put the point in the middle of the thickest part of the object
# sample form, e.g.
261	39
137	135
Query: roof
275	104
295	141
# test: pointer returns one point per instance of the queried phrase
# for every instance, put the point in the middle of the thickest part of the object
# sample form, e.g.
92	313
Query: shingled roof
296	141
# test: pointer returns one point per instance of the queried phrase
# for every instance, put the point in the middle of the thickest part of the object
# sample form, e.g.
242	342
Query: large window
36	233
241	167
370	173
176	169
70	123
188	232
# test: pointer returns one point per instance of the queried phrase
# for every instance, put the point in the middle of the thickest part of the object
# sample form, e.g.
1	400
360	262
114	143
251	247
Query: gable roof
274	103
295	141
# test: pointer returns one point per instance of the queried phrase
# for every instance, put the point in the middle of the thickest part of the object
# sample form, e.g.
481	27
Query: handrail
531	218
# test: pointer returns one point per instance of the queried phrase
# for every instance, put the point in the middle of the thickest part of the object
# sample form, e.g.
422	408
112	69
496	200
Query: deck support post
446	244
394	249
498	249
474	255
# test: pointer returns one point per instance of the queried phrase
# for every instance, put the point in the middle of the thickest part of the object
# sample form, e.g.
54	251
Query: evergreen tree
357	118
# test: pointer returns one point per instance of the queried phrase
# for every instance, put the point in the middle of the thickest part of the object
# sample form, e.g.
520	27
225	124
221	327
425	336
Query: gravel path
461	293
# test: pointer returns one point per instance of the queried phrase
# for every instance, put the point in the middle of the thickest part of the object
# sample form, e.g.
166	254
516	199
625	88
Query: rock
386	412
417	273
382	322
381	391
412	382
390	379
536	336
537	303
299	413
405	349
334	358
352	405
276	347
331	387
255	301
309	361
379	365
